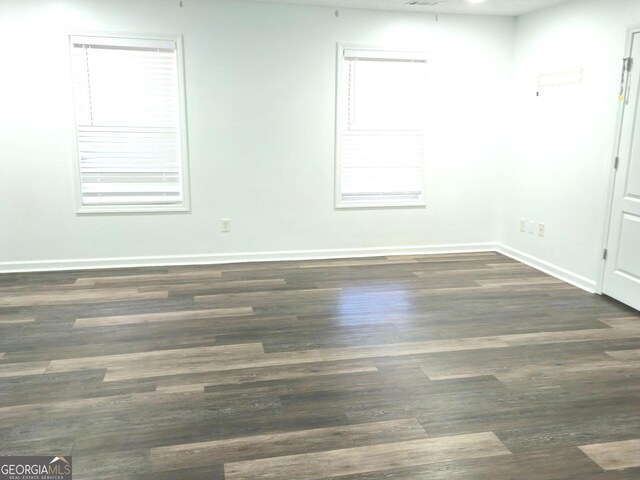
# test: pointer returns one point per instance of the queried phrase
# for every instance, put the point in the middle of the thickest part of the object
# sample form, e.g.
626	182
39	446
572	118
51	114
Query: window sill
113	209
358	205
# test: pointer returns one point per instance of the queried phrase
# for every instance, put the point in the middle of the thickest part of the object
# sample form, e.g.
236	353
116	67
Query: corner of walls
563	137
477	190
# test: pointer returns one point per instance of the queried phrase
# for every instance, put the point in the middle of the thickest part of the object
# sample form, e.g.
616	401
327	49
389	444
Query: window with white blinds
381	123
128	104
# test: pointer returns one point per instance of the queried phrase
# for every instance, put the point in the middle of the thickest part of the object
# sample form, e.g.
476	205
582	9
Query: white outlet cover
532	225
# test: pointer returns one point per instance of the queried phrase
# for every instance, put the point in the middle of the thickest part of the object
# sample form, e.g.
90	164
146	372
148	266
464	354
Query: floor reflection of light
368	304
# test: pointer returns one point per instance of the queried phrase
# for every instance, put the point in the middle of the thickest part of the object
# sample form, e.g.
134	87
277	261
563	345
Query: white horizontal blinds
381	165
382	138
128	122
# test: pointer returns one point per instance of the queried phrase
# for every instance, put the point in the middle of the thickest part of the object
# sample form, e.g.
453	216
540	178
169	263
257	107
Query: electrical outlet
523	225
541	229
532	226
226	225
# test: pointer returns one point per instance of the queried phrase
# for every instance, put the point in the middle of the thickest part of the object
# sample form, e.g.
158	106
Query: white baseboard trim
221	258
549	268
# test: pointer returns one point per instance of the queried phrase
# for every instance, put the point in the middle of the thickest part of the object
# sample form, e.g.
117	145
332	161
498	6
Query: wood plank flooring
469	366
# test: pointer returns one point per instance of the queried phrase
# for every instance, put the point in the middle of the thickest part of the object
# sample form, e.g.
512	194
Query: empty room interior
313	239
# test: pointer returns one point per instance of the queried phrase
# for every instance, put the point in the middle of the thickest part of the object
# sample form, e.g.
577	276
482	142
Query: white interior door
622	268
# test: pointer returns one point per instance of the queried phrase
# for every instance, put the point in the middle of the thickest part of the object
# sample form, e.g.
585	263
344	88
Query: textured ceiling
488	7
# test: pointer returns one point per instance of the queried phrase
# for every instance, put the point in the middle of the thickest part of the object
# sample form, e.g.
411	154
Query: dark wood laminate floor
466	366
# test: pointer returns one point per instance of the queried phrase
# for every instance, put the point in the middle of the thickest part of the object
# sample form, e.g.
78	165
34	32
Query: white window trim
185	206
339	203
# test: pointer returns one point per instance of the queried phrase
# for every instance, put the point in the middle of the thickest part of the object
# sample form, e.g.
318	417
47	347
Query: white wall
260	101
559	170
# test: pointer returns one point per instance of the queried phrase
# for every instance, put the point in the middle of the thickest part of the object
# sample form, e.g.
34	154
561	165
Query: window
129	110
380	128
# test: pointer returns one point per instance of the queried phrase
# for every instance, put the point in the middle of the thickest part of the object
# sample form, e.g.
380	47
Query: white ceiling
488	7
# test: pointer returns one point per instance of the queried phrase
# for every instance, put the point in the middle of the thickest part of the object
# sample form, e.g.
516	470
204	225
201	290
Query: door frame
631	31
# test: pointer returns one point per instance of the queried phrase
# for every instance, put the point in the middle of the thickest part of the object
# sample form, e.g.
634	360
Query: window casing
380	128
130	124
